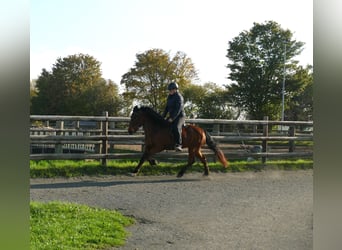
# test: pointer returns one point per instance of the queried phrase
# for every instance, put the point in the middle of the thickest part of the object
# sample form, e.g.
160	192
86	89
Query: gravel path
263	210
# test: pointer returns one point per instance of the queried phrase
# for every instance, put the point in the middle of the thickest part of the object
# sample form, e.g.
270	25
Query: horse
158	137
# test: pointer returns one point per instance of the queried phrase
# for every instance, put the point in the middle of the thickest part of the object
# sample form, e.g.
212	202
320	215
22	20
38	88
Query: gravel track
264	210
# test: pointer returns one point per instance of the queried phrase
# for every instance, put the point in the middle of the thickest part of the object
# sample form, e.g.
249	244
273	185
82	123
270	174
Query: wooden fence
98	137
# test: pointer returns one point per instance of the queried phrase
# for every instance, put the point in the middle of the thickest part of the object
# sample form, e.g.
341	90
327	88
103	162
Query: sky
114	31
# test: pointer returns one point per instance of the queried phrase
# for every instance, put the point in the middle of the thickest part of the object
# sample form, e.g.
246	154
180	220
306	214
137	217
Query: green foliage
209	101
299	89
102	96
146	82
192	96
33	91
57	225
75	87
257	58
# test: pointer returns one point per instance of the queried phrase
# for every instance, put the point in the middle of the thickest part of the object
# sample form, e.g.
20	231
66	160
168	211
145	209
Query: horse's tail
218	152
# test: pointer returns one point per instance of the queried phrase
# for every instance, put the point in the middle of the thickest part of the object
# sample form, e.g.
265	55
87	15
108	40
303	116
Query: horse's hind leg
191	160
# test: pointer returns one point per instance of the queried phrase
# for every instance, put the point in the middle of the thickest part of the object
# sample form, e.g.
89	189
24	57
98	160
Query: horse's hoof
207	176
133	174
179	175
153	162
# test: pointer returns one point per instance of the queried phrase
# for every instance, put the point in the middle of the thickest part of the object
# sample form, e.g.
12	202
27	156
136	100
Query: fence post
105	140
292	132
264	142
59	146
98	147
77	125
112	126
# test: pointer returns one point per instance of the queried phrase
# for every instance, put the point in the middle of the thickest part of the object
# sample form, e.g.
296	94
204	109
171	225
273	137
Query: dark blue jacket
174	106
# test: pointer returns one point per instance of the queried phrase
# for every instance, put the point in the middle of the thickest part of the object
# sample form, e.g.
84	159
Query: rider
176	115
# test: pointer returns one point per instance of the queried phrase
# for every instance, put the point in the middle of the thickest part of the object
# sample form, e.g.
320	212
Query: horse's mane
155	116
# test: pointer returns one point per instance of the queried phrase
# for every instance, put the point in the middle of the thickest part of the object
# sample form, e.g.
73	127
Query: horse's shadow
80	184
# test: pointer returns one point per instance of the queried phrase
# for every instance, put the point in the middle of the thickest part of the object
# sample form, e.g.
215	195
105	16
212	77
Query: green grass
299	164
57	225
68	168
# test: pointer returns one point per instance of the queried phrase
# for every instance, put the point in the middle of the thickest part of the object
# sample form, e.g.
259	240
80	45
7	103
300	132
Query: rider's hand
169	120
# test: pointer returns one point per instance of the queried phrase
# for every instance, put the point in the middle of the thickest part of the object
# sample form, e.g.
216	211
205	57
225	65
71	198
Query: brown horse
158	137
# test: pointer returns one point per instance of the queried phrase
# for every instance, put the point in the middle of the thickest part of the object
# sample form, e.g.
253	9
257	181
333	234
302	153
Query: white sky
114	31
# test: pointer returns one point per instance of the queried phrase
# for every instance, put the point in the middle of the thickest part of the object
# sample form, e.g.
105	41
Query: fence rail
97	137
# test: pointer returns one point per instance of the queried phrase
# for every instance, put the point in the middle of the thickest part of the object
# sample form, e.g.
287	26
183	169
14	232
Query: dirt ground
262	210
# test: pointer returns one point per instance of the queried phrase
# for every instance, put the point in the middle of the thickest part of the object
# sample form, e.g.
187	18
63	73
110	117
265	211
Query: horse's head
136	120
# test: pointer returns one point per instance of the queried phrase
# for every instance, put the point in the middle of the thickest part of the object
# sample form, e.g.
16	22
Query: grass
69	168
298	164
57	225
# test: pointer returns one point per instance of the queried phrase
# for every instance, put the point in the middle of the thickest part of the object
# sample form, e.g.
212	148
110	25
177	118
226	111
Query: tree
299	89
33	91
75	87
257	58
146	82
193	94
48	99
209	101
104	96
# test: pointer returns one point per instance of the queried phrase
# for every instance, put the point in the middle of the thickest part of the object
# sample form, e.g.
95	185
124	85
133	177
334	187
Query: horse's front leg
143	158
153	162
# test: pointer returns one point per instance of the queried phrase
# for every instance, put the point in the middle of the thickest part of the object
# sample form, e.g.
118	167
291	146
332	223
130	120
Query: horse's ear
135	108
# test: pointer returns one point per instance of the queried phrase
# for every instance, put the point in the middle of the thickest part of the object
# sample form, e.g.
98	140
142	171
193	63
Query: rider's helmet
172	85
